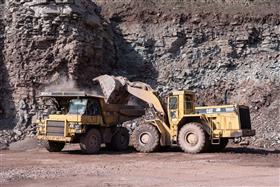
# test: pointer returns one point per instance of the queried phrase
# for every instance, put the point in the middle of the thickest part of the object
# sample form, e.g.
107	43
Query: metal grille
244	115
55	128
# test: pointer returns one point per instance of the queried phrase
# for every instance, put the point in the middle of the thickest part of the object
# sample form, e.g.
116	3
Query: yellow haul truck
79	117
194	129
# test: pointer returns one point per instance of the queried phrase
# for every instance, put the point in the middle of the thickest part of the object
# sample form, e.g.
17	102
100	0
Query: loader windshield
77	106
188	102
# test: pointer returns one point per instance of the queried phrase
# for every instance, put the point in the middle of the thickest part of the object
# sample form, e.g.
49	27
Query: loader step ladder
215	141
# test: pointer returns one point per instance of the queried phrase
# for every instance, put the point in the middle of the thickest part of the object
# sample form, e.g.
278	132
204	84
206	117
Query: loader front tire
53	146
145	138
90	143
193	139
120	139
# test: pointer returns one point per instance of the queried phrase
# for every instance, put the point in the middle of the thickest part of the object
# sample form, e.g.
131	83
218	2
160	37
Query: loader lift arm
147	96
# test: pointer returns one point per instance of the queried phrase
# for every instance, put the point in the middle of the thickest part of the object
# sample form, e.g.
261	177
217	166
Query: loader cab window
188	102
173	107
173	103
77	106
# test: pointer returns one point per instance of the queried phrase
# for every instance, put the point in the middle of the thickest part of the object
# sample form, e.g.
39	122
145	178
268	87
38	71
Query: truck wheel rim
93	141
122	139
145	138
191	138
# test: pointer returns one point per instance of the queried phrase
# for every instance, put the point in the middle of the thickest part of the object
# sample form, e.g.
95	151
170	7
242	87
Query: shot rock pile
9	136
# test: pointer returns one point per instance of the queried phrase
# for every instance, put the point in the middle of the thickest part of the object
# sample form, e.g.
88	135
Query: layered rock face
225	51
46	40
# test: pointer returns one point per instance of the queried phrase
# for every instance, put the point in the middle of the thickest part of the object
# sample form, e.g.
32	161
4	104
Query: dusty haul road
233	167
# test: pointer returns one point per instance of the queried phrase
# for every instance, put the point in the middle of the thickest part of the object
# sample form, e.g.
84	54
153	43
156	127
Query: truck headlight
72	125
75	126
78	126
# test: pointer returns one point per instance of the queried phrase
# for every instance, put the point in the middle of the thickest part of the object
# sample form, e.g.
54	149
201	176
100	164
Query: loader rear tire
53	146
120	139
90	143
145	138
193	138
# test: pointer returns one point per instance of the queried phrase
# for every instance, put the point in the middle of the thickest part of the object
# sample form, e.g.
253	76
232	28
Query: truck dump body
117	114
114	113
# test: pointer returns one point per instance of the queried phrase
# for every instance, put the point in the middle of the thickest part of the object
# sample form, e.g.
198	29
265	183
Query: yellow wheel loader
194	129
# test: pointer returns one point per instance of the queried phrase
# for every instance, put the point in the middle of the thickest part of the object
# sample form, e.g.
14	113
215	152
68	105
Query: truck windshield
77	106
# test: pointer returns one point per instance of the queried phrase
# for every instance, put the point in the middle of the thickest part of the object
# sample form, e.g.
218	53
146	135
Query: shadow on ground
250	150
175	149
103	150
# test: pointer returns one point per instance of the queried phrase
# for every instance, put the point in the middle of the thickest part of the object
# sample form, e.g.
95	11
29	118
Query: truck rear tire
193	139
53	146
145	138
90	143
120	139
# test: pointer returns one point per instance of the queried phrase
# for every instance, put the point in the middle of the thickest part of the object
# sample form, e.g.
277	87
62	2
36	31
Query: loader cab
180	103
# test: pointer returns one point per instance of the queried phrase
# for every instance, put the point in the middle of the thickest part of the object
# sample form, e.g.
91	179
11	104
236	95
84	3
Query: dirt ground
232	167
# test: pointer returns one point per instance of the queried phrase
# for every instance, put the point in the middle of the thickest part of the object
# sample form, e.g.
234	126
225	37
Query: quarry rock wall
226	51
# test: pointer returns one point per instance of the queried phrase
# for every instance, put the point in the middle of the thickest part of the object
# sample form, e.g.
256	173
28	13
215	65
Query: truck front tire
53	146
145	138
193	139
90	143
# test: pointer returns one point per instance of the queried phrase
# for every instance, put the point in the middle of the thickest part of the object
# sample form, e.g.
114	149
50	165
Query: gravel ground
233	167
